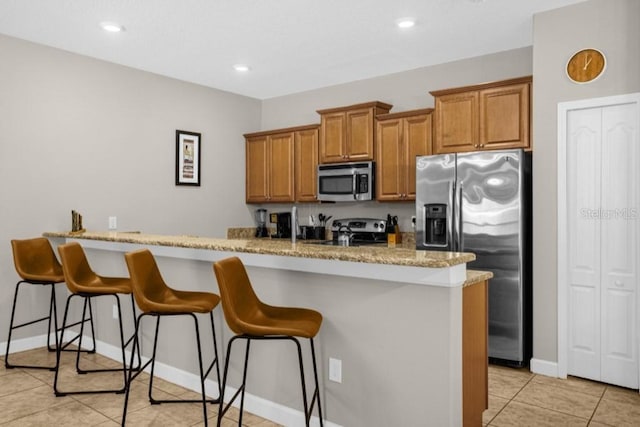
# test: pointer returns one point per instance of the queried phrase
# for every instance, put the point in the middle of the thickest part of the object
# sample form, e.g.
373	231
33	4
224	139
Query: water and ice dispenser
435	217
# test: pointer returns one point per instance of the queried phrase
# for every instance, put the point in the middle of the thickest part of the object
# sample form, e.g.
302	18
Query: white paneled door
598	239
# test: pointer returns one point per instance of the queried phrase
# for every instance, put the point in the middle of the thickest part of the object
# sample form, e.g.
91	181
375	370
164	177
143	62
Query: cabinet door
389	160
257	183
281	168
306	165
417	137
360	135
504	117
456	123
332	138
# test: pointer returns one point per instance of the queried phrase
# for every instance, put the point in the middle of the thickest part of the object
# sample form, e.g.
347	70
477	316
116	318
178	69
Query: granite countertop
476	276
402	256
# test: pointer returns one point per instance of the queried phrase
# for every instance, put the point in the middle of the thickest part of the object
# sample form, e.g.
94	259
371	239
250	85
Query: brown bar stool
84	283
156	299
36	264
251	319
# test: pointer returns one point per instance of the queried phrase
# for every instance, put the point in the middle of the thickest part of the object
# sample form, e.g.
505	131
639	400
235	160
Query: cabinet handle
481	145
619	283
475	146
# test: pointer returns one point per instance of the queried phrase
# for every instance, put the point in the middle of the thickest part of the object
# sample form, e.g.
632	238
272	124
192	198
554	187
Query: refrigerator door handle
458	217
451	232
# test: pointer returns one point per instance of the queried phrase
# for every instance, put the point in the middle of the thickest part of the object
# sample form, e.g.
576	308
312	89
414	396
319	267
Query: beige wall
612	27
78	133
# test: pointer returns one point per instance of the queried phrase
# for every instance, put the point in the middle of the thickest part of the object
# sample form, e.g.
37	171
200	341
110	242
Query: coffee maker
261	223
282	220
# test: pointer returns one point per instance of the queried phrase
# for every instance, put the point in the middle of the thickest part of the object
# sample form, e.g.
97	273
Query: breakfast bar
407	327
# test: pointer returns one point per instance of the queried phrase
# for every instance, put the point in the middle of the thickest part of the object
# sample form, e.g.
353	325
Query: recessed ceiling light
112	27
405	22
241	68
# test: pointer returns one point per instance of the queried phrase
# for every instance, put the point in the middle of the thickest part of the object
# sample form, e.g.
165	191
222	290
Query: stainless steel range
358	232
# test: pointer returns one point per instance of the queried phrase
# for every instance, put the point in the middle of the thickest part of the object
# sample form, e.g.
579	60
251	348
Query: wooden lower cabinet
400	138
475	369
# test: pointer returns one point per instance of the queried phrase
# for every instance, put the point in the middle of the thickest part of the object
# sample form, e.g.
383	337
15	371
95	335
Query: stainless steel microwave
346	182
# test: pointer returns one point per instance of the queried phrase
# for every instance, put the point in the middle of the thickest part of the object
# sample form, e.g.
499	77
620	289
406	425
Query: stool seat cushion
35	261
81	279
246	314
153	295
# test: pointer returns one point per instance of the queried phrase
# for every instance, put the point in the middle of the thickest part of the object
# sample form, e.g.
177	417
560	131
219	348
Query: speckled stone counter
395	264
366	254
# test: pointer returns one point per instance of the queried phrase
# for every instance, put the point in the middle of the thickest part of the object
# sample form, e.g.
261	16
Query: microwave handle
355	185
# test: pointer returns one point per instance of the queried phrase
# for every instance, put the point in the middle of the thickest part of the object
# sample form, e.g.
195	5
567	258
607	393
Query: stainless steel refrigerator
480	202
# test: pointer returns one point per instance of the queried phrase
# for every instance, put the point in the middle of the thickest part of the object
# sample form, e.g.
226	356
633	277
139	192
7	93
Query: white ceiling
290	45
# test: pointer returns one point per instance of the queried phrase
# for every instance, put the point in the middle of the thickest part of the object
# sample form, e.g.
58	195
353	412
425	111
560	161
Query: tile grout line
597	404
510	400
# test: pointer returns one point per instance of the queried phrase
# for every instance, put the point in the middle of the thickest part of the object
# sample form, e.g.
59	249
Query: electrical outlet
335	370
113	222
413	221
115	312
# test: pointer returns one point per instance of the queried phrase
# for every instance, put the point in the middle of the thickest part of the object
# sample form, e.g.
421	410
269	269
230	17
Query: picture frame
188	158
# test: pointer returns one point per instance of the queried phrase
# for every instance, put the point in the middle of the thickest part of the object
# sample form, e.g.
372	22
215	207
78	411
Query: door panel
583	158
619	267
436	177
491	215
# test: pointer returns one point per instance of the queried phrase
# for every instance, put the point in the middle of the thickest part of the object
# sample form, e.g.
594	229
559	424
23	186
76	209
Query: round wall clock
586	65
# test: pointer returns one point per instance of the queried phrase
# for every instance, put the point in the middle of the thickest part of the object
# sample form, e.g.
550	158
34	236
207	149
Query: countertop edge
371	255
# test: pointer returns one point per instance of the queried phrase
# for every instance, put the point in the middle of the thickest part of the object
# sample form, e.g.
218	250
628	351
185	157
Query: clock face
586	65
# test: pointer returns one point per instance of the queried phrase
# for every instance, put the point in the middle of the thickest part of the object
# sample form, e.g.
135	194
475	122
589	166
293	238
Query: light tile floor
516	398
27	399
519	398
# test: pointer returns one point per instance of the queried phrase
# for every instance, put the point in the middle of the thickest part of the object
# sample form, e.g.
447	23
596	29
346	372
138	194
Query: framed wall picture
187	158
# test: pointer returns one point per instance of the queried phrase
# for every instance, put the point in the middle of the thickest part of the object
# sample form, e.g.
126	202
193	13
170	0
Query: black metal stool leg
87	302
307	412
7	364
317	390
53	312
131	376
222	409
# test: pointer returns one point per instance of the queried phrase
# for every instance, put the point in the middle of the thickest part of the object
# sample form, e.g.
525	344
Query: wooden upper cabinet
333	134
269	167
456	123
488	116
504	117
257	169
306	165
400	138
281	159
281	165
347	134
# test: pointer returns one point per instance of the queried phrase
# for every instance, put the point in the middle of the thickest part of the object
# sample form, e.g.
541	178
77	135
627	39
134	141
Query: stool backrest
146	280
35	260
77	272
239	301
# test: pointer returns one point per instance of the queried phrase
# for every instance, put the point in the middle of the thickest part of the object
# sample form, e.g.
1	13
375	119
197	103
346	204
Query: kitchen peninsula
409	327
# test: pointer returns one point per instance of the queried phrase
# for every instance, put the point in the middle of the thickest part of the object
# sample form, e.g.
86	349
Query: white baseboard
24	344
256	405
544	367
